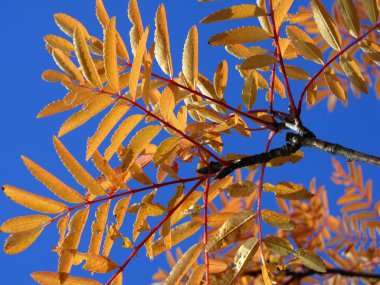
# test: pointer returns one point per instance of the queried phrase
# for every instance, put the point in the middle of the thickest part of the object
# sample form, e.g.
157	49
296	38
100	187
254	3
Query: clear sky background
24	93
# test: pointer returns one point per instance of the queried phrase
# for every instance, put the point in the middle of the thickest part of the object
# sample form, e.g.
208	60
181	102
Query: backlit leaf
250	90
97	227
96	263
52	278
371	49
60	43
190	58
110	56
18	242
326	25
296	73
334	84
264	20
161	38
247	34
288	190
165	147
277	220
280	11
241	189
183	264
310	260
372	10
77	171
350	17
258	61
196	276
245	254
24	223
55	185
65	63
304	44
220	79
234	12
137	29
353	72
278	245
68	24
32	201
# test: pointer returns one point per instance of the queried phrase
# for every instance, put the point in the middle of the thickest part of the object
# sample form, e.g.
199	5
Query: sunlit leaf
190	58
239	35
351	69
350	16
250	90
241	189
65	63
137	29
258	61
310	260
68	24
278	245
280	11
98	227
334	84
372	10
234	12
277	220
288	190
196	276
19	241
110	56
52	278
220	79
245	254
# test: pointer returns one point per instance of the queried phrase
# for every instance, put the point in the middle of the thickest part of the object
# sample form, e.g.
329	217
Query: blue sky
24	93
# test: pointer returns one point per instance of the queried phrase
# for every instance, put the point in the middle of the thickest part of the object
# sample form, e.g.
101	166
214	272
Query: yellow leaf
278	245
218	186
71	242
65	63
371	49
62	225
196	276
258	61
53	183
183	264
244	255
76	170
138	142
350	16
96	263
247	34
266	277
264	20
24	223
296	73
32	201
310	260
334	84
85	60
277	220
161	38
136	66
280	12
68	24
220	79
102	165
326	25
234	12
167	103
353	72
190	58
118	280
18	242
372	10
207	113
165	148
52	278
250	90
357	206
137	29
241	189
105	126
110	56
288	190
304	44
57	42
121	133
54	76
97	228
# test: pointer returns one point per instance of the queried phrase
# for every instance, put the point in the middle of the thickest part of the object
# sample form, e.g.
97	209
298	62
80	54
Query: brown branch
333	148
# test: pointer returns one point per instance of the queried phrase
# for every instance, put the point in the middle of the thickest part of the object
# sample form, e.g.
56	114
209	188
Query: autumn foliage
159	119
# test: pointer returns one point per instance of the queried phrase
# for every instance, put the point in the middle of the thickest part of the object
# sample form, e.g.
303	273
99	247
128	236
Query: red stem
153	230
299	109
205	233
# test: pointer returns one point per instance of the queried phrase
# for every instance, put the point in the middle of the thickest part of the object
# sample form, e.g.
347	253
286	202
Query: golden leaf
264	20
71	242
296	73
68	24
196	276
218	186
54	76
190	58
137	29
244	255
280	12
24	223
52	278
326	25
65	63
18	242
178	234
32	201
121	133
76	170
288	190
147	74
241	51
278	245
250	90
371	49
372	10
258	61
277	220
102	165
353	72
110	56
161	38
217	266
350	17
220	79
105	126
247	34
310	260
266	277
241	189
85	60
167	103
59	43
165	148
62	225
136	66
234	12
118	279
95	263
138	142
304	44
334	84
183	264
97	228
207	113
53	183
